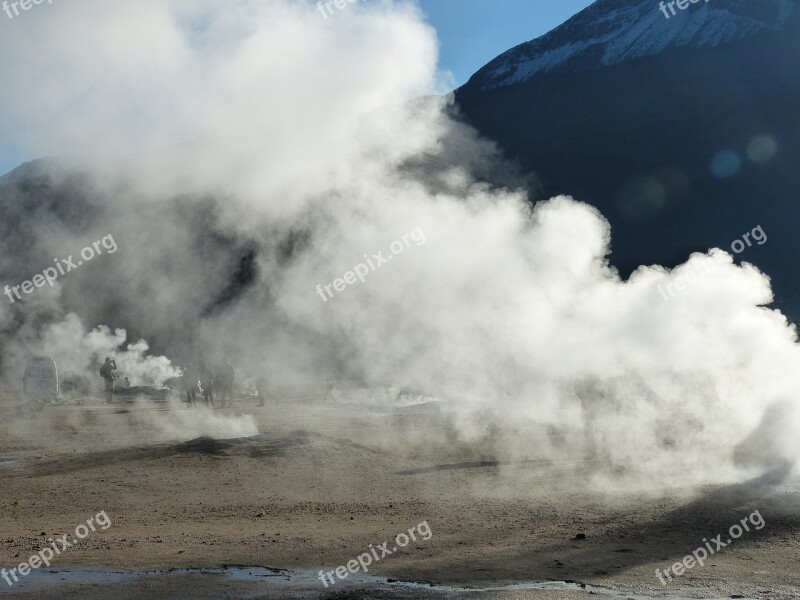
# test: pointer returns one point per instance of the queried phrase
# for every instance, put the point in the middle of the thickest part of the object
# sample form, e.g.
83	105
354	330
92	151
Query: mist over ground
241	154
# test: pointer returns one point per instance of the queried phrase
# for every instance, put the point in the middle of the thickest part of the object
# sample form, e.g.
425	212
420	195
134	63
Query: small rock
580	536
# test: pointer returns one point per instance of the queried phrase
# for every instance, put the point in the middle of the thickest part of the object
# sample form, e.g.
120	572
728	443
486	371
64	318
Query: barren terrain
317	485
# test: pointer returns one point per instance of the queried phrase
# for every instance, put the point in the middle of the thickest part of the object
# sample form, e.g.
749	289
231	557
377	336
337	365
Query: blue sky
471	33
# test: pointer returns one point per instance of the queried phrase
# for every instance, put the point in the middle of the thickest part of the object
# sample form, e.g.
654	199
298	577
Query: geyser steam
274	149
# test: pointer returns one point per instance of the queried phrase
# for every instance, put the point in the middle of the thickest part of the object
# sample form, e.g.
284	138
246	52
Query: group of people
209	381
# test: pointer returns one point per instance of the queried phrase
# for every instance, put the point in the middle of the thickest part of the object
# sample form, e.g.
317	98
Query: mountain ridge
610	32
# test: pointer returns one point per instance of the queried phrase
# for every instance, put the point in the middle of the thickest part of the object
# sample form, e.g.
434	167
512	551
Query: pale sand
320	484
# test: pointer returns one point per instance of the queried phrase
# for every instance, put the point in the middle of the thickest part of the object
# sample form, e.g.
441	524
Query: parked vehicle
40	382
74	386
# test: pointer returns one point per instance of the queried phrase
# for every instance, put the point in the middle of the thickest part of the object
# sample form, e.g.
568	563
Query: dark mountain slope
641	140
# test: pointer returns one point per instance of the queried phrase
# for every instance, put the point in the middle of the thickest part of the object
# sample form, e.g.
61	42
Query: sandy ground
316	486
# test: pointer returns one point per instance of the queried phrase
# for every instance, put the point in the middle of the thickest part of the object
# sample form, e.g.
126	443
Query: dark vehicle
74	386
40	382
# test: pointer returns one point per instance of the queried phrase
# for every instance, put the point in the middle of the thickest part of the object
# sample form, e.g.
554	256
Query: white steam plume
305	147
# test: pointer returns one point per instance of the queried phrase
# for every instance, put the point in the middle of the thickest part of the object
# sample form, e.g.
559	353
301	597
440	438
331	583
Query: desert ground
258	515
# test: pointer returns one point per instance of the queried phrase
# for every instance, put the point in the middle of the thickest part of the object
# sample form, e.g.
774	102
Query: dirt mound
253	446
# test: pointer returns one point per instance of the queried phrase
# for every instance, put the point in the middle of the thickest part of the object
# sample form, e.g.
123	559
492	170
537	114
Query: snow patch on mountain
613	31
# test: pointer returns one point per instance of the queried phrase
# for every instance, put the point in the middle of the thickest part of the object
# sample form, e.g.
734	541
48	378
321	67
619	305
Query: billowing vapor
78	350
177	423
246	153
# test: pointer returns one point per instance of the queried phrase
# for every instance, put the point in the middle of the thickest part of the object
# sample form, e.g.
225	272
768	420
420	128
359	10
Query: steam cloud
266	150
